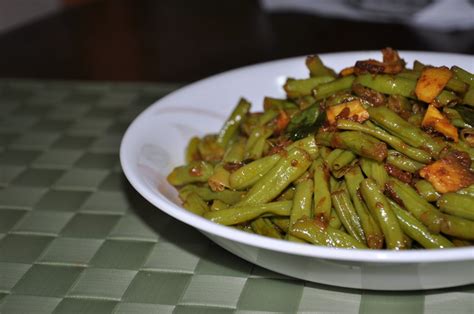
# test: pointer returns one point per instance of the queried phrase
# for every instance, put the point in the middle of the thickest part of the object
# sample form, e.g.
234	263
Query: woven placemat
76	238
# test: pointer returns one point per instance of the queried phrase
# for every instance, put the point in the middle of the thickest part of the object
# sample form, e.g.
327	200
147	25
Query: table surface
74	236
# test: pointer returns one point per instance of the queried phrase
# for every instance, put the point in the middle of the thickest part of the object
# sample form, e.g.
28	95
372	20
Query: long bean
408	133
347	213
417	231
358	142
231	126
302	202
195	171
403	162
240	214
302	87
247	175
311	231
369	128
380	208
287	169
457	205
324	90
429	215
322	193
372	232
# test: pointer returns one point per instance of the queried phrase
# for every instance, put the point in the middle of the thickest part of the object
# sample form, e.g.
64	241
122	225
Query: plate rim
282	246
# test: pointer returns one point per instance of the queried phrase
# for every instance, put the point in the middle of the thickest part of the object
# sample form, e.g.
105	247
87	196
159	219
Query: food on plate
377	156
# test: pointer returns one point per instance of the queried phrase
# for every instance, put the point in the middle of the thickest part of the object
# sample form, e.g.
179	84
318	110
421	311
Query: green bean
267	116
209	149
325	90
235	152
281	222
305	102
427	191
408	133
416	119
195	204
255	143
231	126
457	85
399	104
398	85
322	194
218	205
339	98
461	146
239	214
265	227
468	98
324	152
347	213
417	231
395	142
343	160
313	232
463	75
270	103
372	232
333	183
317	68
227	196
192	151
380	208
287	195
467	191
287	169
446	98
308	144
195	171
245	228
403	162
301	202
421	209
429	215
334	220
388	84
247	175
374	170
219	180
455	118
333	156
358	142
457	205
337	174
298	88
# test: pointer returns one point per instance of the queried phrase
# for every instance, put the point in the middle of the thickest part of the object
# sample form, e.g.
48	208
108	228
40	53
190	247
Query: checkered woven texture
76	238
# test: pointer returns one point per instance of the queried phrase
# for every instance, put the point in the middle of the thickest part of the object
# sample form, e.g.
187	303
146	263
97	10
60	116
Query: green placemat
76	238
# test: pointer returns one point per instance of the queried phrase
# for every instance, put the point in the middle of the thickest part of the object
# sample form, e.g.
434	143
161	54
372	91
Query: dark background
183	41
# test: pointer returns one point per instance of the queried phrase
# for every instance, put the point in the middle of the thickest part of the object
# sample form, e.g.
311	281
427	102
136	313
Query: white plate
155	142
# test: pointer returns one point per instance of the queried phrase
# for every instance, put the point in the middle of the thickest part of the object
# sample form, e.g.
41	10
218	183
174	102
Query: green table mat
76	238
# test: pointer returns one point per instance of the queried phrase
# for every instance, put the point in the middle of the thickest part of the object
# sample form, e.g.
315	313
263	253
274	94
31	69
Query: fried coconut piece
352	110
391	64
450	173
434	119
431	82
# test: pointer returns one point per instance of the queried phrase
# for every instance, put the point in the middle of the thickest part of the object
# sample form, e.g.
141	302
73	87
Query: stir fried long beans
377	156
